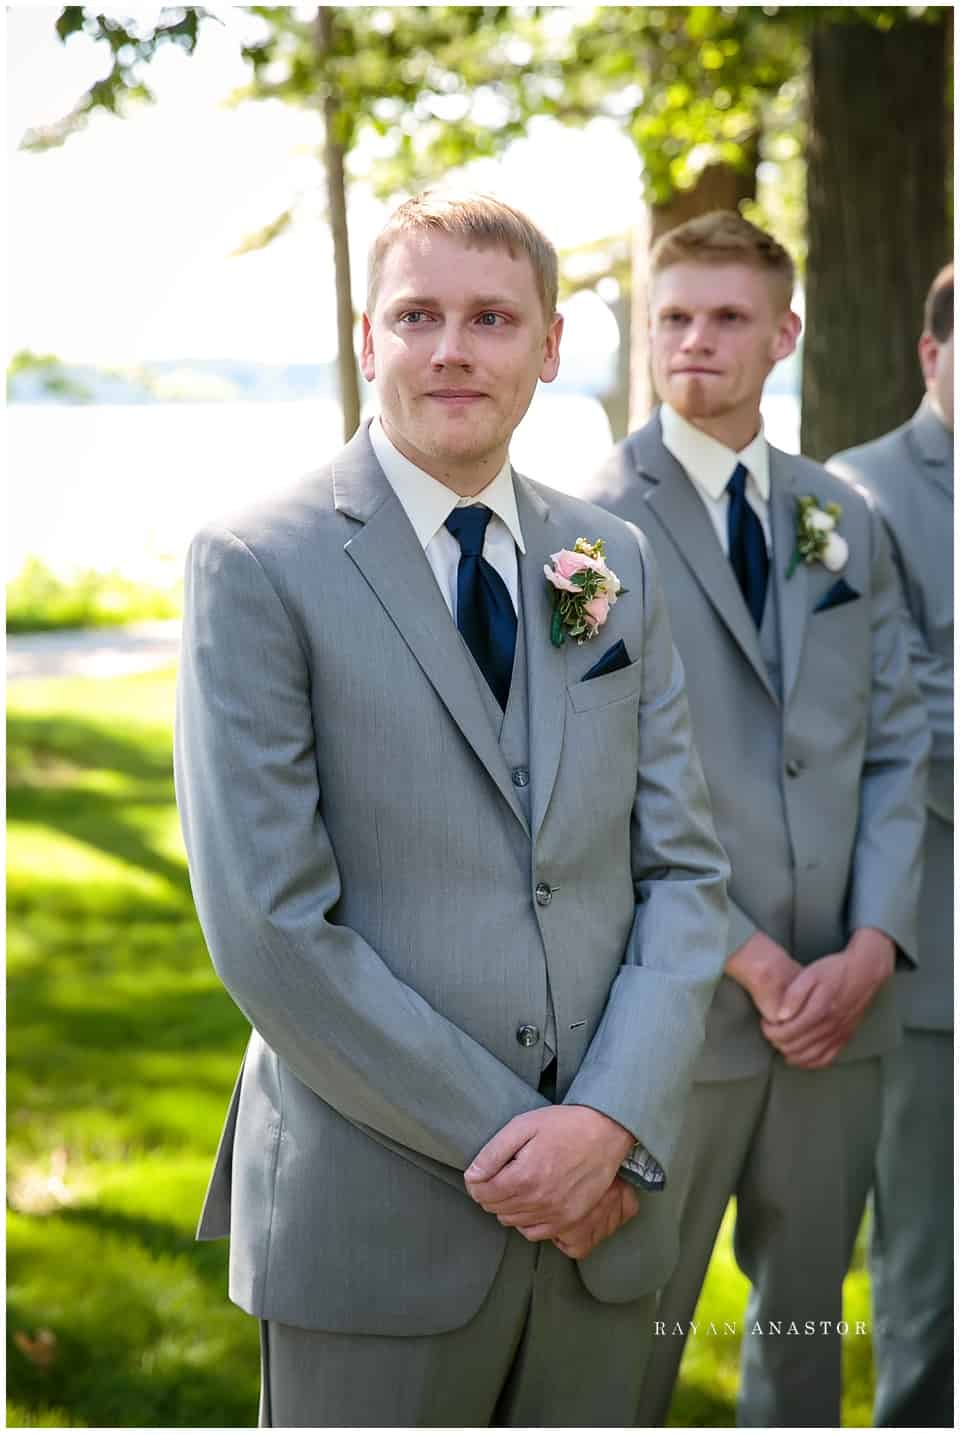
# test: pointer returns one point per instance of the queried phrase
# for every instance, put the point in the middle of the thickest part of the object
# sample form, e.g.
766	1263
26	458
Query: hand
612	1210
823	1007
547	1169
764	970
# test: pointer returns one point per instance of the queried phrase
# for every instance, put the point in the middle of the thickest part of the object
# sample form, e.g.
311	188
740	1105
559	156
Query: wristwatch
640	1169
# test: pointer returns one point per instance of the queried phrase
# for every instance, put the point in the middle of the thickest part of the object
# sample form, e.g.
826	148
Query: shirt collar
428	503
711	463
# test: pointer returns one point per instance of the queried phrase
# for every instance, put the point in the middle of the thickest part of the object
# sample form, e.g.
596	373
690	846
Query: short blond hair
479	221
725	237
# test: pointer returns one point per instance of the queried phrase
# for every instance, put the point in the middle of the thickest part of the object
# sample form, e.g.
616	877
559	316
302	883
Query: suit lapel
546	664
935	445
673	500
388	554
793	595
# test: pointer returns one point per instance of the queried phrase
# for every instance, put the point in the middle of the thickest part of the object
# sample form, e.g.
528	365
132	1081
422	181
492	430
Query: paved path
93	651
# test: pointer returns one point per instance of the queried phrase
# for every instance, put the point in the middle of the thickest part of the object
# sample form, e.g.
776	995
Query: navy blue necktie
485	614
748	549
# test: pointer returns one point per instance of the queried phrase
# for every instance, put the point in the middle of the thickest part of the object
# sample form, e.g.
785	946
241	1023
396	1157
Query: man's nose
452	346
698	335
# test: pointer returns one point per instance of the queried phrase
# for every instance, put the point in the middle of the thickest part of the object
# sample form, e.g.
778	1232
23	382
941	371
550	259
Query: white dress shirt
710	465
428	504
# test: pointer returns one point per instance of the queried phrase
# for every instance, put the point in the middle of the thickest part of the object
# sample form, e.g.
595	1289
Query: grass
122	1049
39	601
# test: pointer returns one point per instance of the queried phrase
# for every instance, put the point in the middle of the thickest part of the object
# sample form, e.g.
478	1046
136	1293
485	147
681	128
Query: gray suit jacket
909	474
817	793
367	884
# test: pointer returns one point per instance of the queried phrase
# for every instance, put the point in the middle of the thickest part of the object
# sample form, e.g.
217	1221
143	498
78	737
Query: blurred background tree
729	107
859	98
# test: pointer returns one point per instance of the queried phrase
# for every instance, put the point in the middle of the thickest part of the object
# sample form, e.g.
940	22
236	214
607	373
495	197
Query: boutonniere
817	538
584	591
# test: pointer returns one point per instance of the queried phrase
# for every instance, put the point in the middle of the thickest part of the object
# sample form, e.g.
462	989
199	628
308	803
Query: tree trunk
877	224
719	187
333	154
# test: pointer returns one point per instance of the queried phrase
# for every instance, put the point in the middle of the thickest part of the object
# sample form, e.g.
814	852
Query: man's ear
785	340
366	350
928	349
551	350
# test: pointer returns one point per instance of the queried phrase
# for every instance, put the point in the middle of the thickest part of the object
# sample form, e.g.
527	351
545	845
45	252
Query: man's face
936	360
456	342
716	330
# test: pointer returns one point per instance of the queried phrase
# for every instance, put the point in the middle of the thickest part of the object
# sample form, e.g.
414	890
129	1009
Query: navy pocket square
612	660
836	596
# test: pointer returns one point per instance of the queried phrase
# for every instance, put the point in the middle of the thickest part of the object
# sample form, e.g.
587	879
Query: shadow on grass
36	743
143	1334
128	1388
48	760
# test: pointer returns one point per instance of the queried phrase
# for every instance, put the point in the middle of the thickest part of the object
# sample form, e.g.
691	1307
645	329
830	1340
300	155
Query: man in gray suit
455	863
909	474
786	615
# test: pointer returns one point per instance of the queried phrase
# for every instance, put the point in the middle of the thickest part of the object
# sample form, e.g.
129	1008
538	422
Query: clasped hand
552	1175
809	1013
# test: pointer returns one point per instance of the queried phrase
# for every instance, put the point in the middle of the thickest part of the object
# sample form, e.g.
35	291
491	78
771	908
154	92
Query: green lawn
122	1049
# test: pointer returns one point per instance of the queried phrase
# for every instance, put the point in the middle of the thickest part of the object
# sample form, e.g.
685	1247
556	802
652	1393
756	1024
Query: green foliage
688	82
438	85
131	44
38	600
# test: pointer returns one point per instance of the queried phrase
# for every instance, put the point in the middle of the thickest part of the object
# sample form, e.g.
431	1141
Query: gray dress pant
540	1352
796	1148
911	1249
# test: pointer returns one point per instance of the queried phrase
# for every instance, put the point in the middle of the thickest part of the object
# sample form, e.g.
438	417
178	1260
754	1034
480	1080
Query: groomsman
909	474
455	863
786	613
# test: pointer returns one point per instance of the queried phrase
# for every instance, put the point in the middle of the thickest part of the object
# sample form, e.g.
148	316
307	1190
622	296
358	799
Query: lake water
125	487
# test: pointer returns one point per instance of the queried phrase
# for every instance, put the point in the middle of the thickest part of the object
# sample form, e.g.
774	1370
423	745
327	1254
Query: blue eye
412	316
489	320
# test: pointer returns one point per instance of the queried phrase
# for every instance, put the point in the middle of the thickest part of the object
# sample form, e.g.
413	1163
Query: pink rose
596	611
567	562
558	581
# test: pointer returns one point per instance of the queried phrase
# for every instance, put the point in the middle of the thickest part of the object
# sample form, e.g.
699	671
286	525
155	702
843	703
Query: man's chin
693	400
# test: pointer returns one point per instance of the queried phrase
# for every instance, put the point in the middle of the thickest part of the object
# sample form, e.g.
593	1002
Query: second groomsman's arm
823	1006
932	670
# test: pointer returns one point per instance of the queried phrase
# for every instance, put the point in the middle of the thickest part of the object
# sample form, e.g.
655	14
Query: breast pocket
602	691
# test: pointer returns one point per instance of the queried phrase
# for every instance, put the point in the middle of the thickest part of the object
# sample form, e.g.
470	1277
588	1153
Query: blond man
462	880
784	605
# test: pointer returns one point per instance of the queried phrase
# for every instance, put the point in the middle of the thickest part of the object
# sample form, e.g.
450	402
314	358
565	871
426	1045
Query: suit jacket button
543	894
520	777
528	1035
794	767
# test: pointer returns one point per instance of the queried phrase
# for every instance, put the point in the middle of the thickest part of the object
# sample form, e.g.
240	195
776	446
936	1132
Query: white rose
820	522
835	554
612	584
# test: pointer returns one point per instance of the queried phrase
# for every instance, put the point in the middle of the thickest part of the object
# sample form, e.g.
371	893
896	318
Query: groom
462	881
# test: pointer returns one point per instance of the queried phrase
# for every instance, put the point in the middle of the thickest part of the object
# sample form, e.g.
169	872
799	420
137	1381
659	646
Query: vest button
794	767
520	777
543	894
528	1035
